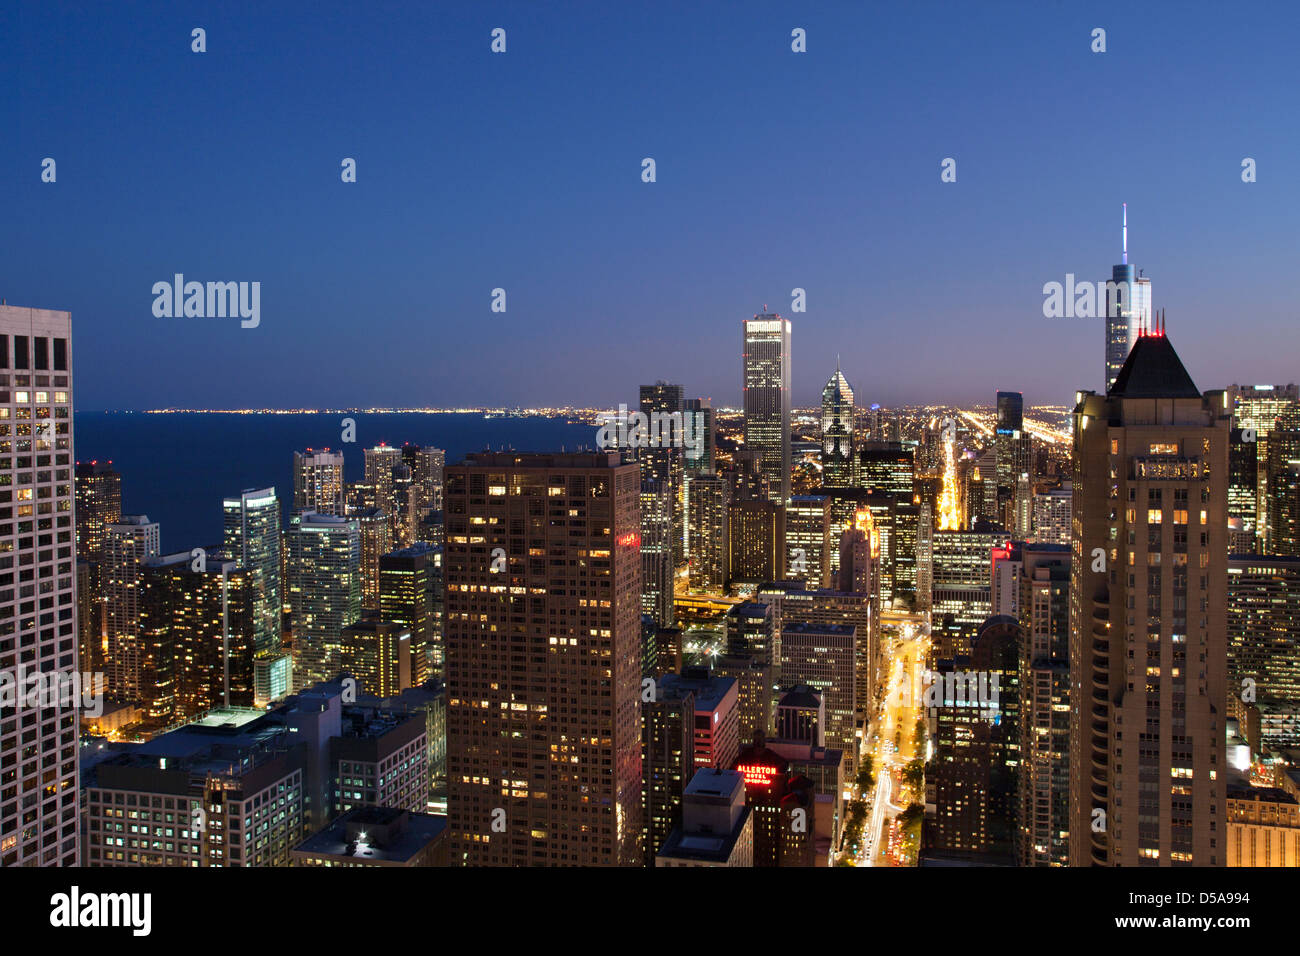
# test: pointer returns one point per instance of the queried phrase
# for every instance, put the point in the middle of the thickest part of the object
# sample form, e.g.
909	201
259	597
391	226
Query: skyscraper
410	582
99	504
252	538
710	510
131	542
543	630
39	802
1128	309
1256	409
767	398
1148	618
324	591
837	432
657	551
318	481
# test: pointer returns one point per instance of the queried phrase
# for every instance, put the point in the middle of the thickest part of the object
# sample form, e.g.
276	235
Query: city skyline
889	256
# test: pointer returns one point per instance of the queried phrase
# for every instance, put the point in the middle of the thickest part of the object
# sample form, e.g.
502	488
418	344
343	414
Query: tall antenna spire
1125	234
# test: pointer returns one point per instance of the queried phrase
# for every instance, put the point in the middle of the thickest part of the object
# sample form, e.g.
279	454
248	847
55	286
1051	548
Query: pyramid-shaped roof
1154	370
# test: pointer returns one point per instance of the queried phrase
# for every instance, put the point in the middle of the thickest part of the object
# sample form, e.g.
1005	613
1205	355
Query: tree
914	773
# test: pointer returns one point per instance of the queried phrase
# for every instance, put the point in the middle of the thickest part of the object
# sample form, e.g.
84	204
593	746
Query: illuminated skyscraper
767	399
39	788
131	542
657	551
1127	311
1148	618
667	465
837	432
410	585
99	504
808	540
544	660
1256	409
252	538
324	591
318	481
710	509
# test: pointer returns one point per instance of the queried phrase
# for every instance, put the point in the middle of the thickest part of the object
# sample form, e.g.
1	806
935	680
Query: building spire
1125	262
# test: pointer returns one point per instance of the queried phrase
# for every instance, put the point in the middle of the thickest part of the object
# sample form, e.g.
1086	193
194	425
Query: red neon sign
632	538
757	774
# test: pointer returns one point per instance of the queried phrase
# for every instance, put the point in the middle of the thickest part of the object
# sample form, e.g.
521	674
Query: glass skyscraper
767	399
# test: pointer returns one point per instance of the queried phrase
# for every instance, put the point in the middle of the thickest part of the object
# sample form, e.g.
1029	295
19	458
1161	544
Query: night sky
522	170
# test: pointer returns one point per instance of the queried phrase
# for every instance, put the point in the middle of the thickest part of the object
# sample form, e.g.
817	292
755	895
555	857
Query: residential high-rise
1148	618
837	432
378	654
667	761
1128	310
706	462
410	585
543	633
197	625
710	510
131	542
667	464
98	505
1282	503
767	398
657	550
376	541
252	538
324	591
39	804
1051	508
1043	817
318	481
825	657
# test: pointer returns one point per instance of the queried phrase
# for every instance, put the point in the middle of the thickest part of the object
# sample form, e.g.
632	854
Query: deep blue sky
522	170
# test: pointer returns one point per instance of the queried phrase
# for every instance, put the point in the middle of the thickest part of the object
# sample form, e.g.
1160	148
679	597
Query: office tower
410	594
1148	592
252	538
905	557
959	581
543	660
90	647
376	541
131	542
667	465
318	481
837	432
1263	613
974	721
1004	594
196	633
860	574
784	806
376	837
717	828
1256	408
1011	442
706	462
887	467
717	717
825	657
667	761
756	534
378	655
710	510
380	758
1282	503
1052	514
39	810
1244	532
808	540
1043	818
324	590
767	398
1263	826
224	791
657	551
1128	311
381	486
98	504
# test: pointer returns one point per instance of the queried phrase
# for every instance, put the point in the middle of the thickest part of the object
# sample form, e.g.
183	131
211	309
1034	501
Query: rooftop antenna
1125	234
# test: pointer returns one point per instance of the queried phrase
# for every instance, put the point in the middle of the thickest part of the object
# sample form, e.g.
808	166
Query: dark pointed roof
1154	370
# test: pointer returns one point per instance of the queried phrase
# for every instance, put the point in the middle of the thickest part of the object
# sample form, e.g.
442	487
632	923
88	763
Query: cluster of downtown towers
536	597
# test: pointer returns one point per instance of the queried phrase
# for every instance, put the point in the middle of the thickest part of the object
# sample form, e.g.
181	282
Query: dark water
177	468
